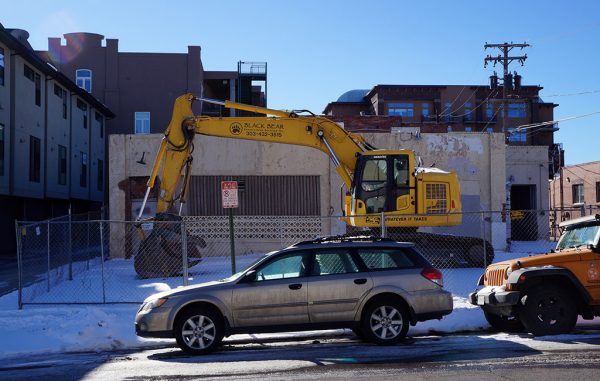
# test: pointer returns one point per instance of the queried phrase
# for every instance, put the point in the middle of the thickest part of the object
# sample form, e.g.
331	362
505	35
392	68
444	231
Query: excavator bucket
160	254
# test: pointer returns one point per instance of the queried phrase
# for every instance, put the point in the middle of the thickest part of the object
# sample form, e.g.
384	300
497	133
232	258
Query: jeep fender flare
549	271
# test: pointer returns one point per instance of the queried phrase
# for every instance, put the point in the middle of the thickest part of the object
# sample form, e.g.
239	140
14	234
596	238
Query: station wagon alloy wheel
198	332
386	322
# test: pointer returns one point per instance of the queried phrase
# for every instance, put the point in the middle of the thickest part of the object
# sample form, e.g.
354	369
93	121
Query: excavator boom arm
284	127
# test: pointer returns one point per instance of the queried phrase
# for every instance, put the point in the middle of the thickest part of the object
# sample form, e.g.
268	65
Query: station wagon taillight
433	275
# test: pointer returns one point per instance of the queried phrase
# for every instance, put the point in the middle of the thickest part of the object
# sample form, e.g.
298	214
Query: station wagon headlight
154	304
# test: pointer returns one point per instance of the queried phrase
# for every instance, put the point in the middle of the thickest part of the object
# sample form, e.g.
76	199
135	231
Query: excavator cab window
373	185
380	180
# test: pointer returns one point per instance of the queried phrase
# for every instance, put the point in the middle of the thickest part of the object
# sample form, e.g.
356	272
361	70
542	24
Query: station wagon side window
386	259
283	267
327	262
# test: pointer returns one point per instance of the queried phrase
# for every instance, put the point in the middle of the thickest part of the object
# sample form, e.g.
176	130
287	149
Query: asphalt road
335	356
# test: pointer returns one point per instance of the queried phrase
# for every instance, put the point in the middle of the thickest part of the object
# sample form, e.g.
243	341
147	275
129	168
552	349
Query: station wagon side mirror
250	276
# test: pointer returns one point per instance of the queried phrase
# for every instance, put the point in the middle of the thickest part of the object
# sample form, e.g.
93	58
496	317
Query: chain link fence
70	261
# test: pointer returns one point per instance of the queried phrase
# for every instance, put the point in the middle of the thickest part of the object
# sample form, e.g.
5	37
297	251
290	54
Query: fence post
70	246
483	239
88	241
382	223
102	262
231	241
48	253
184	253
19	265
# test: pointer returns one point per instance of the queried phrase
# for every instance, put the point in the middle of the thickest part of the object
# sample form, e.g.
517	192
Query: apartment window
468	129
85	123
83	170
34	159
83	79
516	136
100	120
425	110
1	67
517	110
62	165
81	105
489	130
142	122
38	90
401	109
489	110
62	94
100	175
1	149
28	72
447	111
578	193
468	111
598	191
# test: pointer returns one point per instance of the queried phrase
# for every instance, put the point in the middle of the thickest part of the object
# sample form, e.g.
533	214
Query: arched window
83	79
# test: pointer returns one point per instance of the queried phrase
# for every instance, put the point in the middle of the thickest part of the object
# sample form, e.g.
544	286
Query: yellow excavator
380	183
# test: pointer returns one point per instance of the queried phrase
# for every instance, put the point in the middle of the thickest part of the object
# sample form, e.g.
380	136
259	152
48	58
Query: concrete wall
479	160
528	165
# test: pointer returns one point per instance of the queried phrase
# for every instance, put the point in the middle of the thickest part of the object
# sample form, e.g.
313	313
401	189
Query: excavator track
160	254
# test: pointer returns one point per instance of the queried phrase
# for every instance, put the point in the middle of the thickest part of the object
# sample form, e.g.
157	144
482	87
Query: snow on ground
40	329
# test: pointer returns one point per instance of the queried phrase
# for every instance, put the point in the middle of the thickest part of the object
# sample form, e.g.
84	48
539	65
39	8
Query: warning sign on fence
229	194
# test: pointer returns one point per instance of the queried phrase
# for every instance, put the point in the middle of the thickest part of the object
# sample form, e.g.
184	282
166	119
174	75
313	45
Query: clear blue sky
317	50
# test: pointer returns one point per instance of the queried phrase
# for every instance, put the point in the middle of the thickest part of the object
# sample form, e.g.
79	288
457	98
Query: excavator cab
389	182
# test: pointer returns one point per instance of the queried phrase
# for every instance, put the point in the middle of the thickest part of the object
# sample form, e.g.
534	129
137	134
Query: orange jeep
544	294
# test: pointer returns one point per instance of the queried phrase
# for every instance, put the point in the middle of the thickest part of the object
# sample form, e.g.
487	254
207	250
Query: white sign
229	194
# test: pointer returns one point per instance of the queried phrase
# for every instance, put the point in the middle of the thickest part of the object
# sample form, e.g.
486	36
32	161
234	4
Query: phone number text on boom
271	134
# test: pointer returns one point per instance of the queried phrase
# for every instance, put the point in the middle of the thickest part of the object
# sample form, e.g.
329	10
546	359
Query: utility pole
505	59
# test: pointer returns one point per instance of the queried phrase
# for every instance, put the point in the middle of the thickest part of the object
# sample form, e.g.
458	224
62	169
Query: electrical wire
571	94
541	124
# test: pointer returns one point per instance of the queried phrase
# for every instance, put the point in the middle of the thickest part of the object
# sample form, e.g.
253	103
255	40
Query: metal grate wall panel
259	196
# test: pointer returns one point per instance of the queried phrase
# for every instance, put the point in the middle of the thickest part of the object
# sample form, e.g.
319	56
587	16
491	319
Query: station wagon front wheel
385	322
199	332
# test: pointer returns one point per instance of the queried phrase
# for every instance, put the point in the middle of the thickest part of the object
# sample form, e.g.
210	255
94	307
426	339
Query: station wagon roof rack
345	238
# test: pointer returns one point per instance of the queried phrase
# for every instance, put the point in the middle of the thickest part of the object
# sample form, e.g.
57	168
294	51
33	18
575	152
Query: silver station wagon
376	287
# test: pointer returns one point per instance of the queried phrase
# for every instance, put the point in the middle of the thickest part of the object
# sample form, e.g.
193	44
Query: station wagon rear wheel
199	332
385	322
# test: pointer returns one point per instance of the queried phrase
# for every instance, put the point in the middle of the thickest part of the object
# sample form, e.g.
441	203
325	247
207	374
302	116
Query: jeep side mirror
250	276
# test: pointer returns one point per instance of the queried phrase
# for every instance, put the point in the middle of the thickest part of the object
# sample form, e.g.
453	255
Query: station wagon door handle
360	281
295	286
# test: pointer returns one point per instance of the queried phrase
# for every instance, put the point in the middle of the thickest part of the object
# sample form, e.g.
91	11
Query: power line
541	124
571	94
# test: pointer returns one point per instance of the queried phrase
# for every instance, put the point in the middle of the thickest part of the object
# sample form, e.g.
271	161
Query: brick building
451	108
140	87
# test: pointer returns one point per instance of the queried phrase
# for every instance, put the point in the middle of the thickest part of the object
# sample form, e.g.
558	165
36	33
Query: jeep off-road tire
504	323
385	322
199	331
548	309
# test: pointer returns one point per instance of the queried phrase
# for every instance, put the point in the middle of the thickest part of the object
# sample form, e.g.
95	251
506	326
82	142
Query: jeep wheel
199	332
504	323
385	322
548	310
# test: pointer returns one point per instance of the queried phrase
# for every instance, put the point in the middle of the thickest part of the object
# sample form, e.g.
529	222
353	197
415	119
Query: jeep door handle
295	286
360	281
